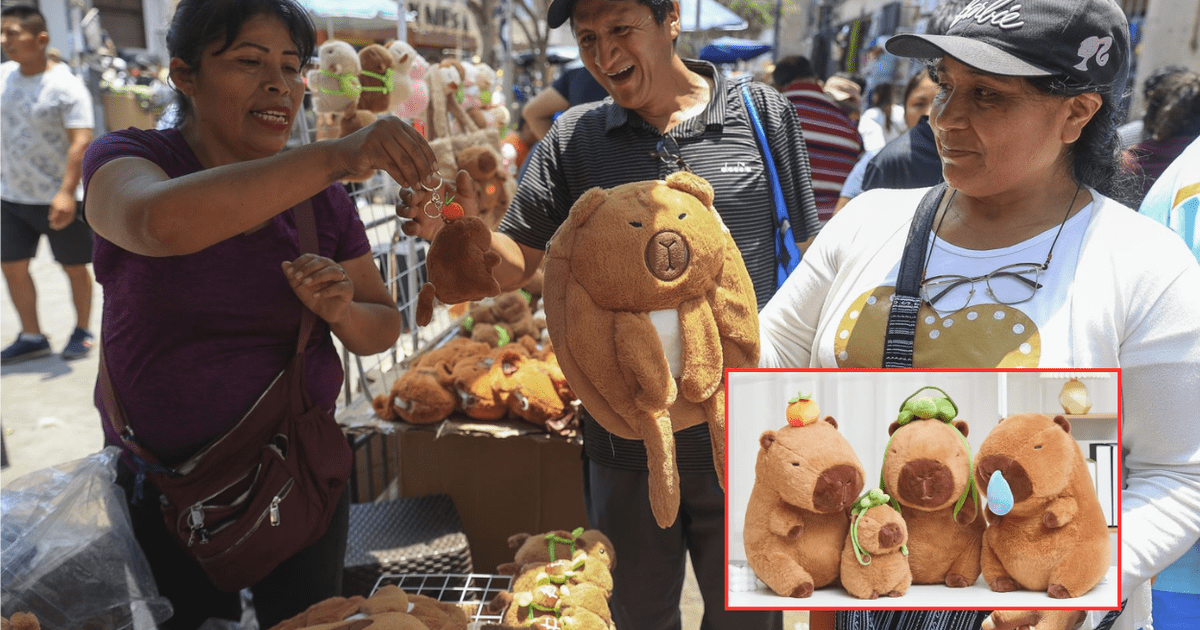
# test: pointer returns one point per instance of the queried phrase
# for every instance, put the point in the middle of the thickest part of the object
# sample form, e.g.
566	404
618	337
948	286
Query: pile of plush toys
807	526
561	580
389	608
498	367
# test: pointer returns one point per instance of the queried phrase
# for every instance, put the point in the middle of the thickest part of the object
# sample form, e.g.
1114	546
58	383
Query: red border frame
1120	464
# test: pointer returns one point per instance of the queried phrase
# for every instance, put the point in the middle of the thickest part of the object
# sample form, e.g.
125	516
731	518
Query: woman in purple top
204	282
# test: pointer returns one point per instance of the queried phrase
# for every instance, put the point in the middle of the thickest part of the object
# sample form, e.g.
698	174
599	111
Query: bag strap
787	254
902	319
306	227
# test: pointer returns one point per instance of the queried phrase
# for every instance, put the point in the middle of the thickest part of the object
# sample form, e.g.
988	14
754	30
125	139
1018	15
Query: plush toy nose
999	494
837	487
667	255
890	536
925	483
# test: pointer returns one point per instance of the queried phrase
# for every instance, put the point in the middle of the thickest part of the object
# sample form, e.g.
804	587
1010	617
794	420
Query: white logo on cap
1097	46
994	13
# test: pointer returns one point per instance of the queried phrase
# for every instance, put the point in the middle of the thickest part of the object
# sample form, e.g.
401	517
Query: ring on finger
344	276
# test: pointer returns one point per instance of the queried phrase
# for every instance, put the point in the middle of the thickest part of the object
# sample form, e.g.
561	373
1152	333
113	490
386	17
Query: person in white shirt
1032	261
47	122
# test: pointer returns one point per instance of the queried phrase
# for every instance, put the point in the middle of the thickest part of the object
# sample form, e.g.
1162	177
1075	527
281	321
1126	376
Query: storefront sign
450	18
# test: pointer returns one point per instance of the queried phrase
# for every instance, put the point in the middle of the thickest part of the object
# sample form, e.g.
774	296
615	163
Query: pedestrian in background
830	136
1171	123
47	125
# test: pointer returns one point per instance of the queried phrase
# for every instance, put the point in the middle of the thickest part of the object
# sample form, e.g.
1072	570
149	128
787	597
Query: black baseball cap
1084	41
559	12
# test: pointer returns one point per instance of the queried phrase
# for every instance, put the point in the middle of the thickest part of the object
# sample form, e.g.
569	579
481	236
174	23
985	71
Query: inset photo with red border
923	489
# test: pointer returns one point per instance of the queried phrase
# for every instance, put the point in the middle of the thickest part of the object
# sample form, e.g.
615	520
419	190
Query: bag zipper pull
275	512
196	524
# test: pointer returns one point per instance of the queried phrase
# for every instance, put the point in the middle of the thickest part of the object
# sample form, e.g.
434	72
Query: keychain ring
426	210
428	189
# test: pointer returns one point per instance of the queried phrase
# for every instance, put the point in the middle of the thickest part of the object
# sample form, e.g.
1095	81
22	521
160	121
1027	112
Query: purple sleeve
118	144
351	234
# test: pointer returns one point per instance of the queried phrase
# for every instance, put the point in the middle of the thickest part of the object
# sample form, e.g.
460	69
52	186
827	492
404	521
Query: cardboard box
500	485
122	111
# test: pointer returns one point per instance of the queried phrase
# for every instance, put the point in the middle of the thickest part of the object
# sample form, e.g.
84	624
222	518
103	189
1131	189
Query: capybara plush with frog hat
927	472
805	480
1046	531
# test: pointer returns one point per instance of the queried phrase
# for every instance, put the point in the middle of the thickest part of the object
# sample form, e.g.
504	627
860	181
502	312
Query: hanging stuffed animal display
927	471
414	65
647	302
378	77
805	480
334	82
1050	535
874	558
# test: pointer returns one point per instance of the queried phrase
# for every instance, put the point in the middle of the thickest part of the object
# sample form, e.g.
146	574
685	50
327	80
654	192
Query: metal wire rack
470	591
401	262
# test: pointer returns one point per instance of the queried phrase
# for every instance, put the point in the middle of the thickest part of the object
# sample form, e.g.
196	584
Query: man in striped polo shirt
663	113
830	136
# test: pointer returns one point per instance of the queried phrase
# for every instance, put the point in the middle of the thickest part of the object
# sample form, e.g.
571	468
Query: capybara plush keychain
460	259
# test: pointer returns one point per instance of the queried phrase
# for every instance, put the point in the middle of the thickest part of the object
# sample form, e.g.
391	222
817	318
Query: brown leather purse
267	488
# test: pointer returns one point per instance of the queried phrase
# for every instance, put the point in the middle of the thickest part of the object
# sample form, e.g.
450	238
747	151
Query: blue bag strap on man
787	254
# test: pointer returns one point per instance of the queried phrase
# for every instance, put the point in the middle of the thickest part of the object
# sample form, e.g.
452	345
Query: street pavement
46	405
49	418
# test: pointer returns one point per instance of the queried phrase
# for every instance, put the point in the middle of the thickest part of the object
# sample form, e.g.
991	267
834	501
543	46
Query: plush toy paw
1058	591
804	590
1003	584
954	580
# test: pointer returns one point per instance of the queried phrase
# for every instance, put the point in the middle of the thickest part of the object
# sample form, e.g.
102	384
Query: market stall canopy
713	16
732	50
356	14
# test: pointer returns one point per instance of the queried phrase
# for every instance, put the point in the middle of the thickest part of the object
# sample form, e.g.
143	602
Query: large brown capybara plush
797	519
927	469
1054	537
648	302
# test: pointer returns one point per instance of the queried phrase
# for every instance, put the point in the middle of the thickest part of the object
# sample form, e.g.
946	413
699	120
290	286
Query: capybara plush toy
1046	530
805	480
874	560
647	302
459	265
927	469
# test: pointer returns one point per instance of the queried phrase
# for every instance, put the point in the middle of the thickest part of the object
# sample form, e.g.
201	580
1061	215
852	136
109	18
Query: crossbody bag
264	490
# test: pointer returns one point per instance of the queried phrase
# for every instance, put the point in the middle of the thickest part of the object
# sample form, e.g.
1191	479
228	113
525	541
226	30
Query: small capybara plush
874	560
1051	535
927	469
648	302
805	480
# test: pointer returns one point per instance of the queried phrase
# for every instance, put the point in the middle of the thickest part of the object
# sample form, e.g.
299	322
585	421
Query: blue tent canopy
732	50
360	9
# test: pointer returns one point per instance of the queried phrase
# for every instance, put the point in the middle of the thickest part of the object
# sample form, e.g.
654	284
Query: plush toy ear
893	426
962	427
693	185
587	204
1063	422
830	420
766	439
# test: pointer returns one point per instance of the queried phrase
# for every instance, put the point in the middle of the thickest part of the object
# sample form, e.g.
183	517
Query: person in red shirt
832	139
